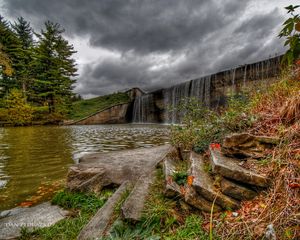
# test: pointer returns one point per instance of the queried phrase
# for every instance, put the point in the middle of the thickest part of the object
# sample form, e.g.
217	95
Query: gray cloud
159	42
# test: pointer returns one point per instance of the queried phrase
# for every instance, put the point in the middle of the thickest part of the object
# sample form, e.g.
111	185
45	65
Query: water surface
34	160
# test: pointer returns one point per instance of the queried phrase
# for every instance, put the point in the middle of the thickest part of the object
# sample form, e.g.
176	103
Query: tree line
37	72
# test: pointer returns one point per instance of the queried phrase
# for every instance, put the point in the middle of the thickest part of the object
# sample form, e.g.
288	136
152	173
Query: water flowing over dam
154	107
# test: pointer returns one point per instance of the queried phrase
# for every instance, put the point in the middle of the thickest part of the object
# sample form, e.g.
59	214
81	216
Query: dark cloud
160	42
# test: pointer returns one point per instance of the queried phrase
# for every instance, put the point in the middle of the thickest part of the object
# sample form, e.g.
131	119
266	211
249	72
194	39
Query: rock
243	145
270	233
203	184
229	168
99	224
236	190
98	170
85	178
172	189
42	215
235	214
133	206
197	201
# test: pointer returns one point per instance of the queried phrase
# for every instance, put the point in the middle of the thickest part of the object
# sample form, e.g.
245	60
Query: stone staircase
217	179
227	184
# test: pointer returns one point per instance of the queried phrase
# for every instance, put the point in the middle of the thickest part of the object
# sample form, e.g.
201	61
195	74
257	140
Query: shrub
201	125
18	111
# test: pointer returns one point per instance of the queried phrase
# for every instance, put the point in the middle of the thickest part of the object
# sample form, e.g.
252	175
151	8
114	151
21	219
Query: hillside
84	108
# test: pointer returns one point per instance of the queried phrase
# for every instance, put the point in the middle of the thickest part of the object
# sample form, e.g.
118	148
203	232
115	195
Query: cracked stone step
199	202
172	189
132	208
229	168
98	225
204	186
236	190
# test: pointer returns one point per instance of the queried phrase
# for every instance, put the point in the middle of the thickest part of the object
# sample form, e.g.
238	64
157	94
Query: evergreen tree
55	68
25	55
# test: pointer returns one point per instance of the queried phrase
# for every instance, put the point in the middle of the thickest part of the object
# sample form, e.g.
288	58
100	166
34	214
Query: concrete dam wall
212	90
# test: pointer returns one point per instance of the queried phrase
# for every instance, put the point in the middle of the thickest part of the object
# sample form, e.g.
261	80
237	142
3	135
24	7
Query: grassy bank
84	108
274	112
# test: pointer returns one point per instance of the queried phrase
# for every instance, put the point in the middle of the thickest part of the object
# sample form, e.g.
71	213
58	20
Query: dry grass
278	112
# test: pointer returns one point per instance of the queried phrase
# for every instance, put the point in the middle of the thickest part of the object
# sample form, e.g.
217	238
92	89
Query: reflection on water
33	156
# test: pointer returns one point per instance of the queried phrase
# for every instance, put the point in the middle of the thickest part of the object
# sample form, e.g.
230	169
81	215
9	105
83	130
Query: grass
163	218
84	108
82	207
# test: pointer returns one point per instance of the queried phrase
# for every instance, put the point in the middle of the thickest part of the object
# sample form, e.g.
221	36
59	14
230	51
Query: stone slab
199	202
100	222
172	189
95	171
229	168
203	184
133	206
42	215
236	190
243	145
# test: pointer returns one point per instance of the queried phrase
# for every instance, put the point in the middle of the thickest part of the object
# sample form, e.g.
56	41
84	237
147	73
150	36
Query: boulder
243	145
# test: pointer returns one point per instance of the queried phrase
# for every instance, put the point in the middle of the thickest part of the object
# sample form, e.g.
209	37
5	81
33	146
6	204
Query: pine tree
54	67
25	55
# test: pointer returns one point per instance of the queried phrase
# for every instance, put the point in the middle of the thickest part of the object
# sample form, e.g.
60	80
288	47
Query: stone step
204	186
172	189
132	208
194	199
229	168
236	190
99	224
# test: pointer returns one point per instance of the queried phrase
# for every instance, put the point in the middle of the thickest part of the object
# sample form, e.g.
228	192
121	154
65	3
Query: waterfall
198	88
143	109
162	105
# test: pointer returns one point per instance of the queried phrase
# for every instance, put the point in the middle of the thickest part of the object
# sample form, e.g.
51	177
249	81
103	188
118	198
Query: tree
10	47
54	66
5	63
291	31
18	111
23	62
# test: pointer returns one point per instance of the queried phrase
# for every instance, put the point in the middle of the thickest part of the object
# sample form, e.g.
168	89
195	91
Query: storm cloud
157	43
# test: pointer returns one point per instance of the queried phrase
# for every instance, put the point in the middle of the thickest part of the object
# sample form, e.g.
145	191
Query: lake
34	160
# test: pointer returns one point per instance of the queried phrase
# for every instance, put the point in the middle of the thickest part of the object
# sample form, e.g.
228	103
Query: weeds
201	126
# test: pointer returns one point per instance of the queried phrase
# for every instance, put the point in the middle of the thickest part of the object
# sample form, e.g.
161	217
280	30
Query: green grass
84	108
82	206
162	219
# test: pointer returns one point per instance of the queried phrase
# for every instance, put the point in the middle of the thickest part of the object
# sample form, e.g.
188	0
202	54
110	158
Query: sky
157	43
